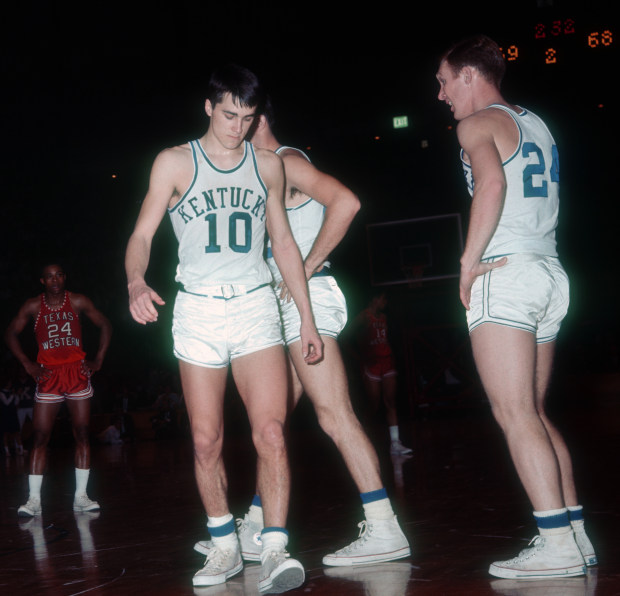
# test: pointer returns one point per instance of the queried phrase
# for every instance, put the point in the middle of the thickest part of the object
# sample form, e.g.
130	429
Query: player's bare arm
286	251
84	305
341	205
170	176
476	137
28	312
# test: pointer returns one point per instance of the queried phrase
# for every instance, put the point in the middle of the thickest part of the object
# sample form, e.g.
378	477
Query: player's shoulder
266	156
296	162
32	305
293	153
484	126
79	301
176	155
269	163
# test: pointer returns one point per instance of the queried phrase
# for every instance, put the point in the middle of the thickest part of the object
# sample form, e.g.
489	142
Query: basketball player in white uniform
221	196
516	295
320	210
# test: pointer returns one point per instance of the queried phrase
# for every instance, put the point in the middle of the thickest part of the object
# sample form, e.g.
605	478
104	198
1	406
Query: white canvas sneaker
249	539
82	503
279	573
397	448
545	557
31	508
221	564
379	540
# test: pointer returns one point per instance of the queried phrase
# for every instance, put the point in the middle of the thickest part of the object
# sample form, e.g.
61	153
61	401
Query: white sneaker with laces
31	508
397	448
81	504
249	539
221	564
279	573
545	557
379	540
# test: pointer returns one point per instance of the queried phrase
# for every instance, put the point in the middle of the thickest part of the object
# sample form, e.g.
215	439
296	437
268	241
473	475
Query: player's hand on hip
37	371
468	277
142	300
285	294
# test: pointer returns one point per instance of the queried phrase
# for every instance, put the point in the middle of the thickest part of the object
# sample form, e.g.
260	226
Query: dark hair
480	52
47	264
240	82
268	112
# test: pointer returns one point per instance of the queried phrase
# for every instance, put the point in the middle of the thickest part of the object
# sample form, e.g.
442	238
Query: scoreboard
560	41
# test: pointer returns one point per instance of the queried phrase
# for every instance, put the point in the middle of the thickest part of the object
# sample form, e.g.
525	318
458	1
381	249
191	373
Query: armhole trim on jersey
285	147
195	161
514	117
258	176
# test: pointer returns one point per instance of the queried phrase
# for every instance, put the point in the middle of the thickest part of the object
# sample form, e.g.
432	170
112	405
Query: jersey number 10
233	241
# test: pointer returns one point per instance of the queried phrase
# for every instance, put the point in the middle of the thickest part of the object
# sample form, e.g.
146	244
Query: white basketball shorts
329	308
530	292
210	331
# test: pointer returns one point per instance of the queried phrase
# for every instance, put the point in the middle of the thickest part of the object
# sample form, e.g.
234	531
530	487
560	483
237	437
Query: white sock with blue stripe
553	522
222	530
377	505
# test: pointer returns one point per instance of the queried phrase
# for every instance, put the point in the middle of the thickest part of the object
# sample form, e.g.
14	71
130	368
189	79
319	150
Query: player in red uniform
62	375
379	367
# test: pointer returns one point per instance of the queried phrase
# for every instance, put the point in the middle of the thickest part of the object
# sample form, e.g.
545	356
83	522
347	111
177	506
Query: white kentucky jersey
530	214
220	224
305	220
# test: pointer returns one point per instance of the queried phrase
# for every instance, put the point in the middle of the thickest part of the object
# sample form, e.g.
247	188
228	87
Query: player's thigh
44	416
328	307
203	391
545	354
261	378
325	382
79	409
506	361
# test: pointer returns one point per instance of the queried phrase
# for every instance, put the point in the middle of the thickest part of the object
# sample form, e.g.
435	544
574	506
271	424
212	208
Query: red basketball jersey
59	333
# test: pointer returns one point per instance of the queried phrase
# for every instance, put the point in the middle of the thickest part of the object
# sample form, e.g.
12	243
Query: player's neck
56	299
218	153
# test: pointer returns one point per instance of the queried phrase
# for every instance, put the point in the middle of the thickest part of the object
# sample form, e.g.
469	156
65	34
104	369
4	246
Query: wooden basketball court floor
457	499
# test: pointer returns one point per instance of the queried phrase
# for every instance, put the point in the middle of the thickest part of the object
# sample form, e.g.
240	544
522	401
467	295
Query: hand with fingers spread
142	300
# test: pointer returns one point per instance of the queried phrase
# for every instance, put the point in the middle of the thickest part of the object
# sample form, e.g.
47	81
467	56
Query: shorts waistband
223	292
325	272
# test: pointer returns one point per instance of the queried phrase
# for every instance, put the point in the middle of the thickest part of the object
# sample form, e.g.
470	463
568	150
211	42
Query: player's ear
208	108
468	74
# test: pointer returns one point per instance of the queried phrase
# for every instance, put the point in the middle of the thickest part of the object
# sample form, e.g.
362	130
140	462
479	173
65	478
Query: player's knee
335	421
40	438
269	436
511	415
207	443
81	433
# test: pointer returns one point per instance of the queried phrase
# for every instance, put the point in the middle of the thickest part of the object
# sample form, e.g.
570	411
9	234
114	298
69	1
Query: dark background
92	92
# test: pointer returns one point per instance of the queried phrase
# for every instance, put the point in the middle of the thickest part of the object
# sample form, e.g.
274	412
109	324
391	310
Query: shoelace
244	524
532	546
217	556
363	536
